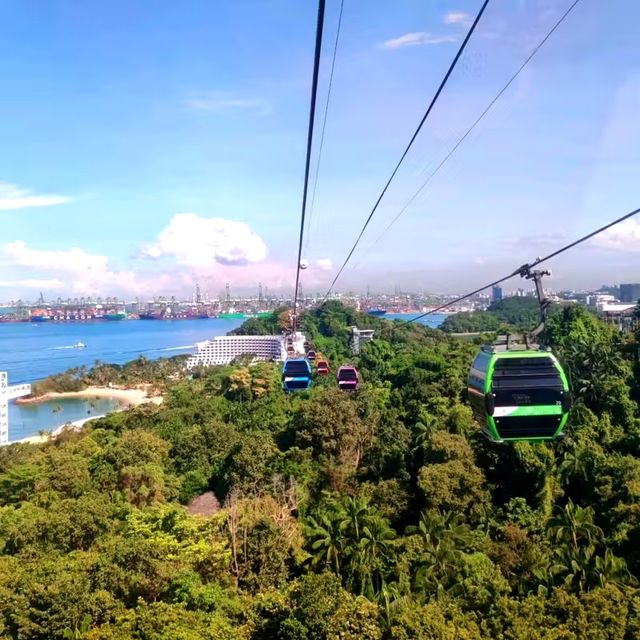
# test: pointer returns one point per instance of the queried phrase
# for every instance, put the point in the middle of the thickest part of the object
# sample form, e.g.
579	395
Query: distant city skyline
149	147
269	294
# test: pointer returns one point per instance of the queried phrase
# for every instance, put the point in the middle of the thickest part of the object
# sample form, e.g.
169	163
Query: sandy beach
130	397
77	424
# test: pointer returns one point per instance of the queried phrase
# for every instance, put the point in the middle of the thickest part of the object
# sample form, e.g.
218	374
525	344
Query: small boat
79	345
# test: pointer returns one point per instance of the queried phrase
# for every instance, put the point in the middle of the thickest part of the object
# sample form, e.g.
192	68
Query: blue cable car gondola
296	374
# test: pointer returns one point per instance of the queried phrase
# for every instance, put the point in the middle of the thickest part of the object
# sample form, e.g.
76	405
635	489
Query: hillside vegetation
236	512
514	313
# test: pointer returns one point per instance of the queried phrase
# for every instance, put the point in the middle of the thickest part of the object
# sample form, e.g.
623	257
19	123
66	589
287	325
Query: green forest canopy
234	511
520	313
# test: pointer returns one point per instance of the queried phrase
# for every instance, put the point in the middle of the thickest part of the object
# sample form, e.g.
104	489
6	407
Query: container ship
115	315
376	311
39	315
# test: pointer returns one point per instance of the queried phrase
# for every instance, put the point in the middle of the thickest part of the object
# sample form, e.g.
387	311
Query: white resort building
223	349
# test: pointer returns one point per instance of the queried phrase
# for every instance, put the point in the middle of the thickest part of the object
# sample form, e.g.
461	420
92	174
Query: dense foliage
154	374
515	313
234	511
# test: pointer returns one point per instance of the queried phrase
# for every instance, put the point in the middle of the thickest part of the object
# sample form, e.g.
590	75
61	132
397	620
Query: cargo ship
40	315
115	315
376	311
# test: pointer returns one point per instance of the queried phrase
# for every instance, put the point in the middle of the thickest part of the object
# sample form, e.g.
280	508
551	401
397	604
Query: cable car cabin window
293	385
521	427
533	397
348	376
296	369
517	373
526	381
481	362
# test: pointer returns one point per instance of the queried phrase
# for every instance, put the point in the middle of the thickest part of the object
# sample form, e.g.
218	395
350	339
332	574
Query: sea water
32	351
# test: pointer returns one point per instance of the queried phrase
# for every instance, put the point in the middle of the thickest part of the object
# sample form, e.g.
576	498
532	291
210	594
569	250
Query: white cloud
220	101
71	261
14	197
79	271
623	237
325	264
457	17
52	283
417	38
480	261
200	242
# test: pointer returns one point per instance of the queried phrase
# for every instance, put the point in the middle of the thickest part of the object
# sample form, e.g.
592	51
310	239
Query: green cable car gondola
519	394
517	389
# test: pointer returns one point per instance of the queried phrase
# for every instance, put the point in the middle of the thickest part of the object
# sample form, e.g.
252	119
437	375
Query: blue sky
146	145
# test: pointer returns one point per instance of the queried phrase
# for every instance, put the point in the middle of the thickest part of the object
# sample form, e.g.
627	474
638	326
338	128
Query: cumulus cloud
13	196
623	237
415	39
325	264
220	101
18	253
199	242
457	17
77	270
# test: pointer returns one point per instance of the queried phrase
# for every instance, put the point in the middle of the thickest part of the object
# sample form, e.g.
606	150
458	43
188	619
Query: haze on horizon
149	147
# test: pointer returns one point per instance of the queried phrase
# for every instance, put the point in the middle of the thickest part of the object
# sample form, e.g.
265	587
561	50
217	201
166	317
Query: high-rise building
224	349
496	294
630	292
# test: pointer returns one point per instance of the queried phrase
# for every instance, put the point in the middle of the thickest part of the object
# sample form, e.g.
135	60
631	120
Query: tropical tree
572	526
326	540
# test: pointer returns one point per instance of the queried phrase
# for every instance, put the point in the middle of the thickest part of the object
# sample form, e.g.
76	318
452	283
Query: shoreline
76	425
128	398
132	397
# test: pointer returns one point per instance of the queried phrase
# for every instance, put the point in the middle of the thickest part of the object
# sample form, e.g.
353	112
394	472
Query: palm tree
434	527
327	540
573	526
374	550
356	511
575	464
611	569
391	599
444	538
422	432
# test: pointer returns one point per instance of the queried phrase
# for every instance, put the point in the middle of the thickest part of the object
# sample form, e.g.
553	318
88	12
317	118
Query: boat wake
187	346
77	345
